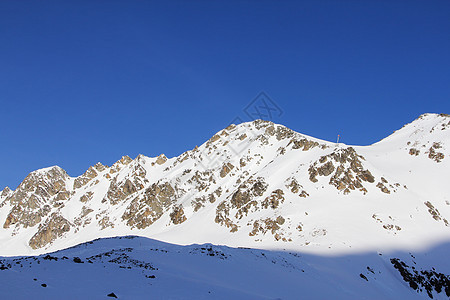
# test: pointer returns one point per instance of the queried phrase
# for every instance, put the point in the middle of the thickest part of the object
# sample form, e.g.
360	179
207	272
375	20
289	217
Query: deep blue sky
89	81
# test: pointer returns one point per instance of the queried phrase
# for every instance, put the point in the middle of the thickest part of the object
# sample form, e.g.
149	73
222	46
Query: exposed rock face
345	166
414	151
199	202
269	225
5	193
86	197
434	154
303	144
31	200
141	213
118	165
226	168
85	178
274	200
435	213
247	191
161	159
296	188
243	200
119	191
177	215
54	227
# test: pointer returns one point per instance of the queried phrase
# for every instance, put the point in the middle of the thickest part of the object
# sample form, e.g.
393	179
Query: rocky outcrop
5	192
31	200
90	174
199	202
118	165
344	166
54	227
435	213
177	215
423	280
118	192
146	209
303	144
272	226
274	200
244	199
161	159
226	168
201	181
434	154
296	188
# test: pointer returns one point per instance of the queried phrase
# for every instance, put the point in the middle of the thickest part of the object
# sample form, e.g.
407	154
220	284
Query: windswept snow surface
141	268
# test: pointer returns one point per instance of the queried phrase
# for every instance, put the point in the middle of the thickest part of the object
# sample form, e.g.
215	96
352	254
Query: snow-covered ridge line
254	184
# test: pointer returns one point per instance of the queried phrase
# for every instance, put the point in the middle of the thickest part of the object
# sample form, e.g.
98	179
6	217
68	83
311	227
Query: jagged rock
85	178
261	123
5	192
199	202
202	180
54	227
100	167
293	185
118	192
86	197
243	199
30	199
348	173
247	191
269	225
303	143
274	200
242	136
414	151
326	169
125	160
161	159
214	138
226	168
222	217
81	220
177	215
142	212
383	188
433	154
105	222
435	213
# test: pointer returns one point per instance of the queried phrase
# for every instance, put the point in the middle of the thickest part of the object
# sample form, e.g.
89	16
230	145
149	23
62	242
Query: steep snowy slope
140	268
256	184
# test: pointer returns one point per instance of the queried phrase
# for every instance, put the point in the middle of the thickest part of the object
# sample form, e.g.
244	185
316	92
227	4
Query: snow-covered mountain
258	185
141	268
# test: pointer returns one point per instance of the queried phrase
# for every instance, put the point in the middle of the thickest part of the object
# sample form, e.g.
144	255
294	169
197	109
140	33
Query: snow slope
141	268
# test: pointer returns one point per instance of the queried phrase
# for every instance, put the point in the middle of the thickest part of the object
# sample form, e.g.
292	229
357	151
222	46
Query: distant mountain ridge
254	184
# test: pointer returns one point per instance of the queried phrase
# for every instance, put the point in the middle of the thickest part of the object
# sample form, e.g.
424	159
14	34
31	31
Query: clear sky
89	81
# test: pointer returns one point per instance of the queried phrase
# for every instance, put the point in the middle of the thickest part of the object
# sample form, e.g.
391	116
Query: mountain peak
46	170
255	183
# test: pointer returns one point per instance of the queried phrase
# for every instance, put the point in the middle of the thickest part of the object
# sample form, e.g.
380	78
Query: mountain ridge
240	188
